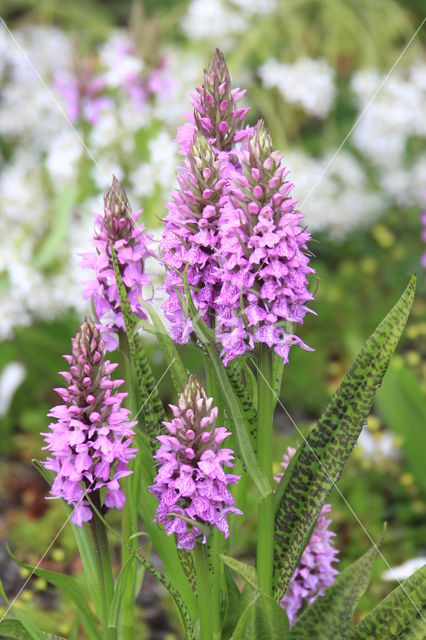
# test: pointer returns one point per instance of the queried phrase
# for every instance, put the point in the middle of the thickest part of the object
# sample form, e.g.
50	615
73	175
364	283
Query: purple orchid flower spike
191	481
117	226
263	254
90	441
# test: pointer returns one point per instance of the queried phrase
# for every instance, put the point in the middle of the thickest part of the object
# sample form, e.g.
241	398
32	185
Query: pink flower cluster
233	225
263	255
90	441
191	481
315	571
83	93
191	228
117	227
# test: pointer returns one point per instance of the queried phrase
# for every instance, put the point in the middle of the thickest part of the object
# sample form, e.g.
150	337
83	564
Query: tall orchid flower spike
216	114
315	571
90	441
263	253
191	237
117	226
191	481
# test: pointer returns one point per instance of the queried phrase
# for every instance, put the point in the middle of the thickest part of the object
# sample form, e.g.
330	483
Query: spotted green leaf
262	619
15	630
401	615
246	571
319	462
332	613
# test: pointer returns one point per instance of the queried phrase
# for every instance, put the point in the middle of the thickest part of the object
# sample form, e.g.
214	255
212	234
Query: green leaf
277	376
84	545
187	563
332	613
172	358
262	619
401	403
319	462
119	591
151	405
232	602
70	587
15	629
246	394
30	626
399	615
239	429
183	610
246	571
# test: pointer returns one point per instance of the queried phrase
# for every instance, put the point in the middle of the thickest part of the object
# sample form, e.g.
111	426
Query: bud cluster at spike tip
190	237
315	571
90	441
216	114
116	226
263	255
190	480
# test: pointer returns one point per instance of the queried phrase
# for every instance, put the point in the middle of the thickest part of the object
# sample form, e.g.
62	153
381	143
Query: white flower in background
255	7
306	83
159	170
11	378
63	156
212	20
404	571
397	112
12	313
336	199
120	59
185	71
104	169
378	447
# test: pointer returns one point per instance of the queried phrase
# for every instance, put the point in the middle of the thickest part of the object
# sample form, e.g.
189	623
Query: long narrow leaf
321	458
84	545
70	587
399	616
332	613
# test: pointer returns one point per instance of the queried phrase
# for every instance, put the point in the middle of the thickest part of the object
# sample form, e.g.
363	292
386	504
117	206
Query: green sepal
319	461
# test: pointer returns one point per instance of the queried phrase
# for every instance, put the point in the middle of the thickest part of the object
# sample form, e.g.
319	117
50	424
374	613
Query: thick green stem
217	546
204	592
129	522
103	559
265	535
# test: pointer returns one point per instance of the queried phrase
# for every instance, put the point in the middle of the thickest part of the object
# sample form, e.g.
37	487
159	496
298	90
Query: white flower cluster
219	21
334	193
46	155
393	112
307	83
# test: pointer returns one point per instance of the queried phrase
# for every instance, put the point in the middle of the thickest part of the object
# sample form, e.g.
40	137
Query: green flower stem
103	560
217	546
129	522
204	592
265	535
